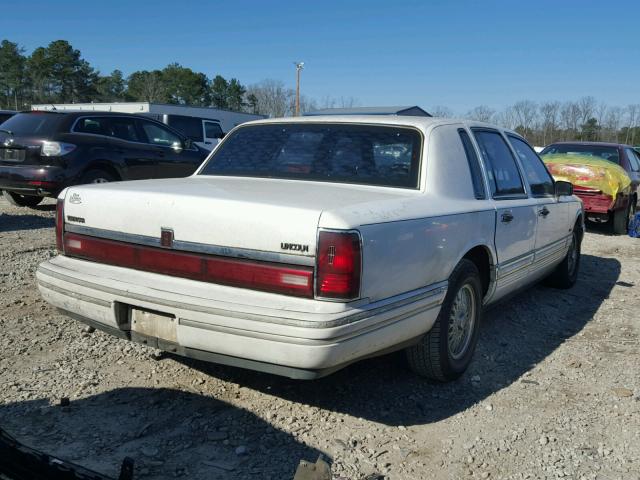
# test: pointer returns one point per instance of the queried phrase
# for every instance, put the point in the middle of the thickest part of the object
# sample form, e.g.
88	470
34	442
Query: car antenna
54	107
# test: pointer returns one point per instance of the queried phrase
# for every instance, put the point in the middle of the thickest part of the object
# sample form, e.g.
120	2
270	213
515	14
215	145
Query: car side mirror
177	147
563	188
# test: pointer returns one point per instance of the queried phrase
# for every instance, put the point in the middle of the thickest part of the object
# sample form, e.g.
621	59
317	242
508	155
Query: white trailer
203	125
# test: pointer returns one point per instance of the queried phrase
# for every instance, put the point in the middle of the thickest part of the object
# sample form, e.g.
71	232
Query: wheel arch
104	166
482	258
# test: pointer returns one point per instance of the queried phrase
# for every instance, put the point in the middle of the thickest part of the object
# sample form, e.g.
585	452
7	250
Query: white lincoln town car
304	244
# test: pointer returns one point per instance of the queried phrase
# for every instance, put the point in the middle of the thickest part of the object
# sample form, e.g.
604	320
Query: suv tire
97	176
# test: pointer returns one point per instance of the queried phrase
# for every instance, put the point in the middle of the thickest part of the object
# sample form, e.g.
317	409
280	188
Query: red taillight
60	225
270	277
43	184
339	260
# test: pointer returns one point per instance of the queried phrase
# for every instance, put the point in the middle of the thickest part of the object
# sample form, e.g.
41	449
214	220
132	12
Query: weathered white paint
412	240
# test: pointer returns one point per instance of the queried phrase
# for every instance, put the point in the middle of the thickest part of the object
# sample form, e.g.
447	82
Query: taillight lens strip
339	265
60	225
269	277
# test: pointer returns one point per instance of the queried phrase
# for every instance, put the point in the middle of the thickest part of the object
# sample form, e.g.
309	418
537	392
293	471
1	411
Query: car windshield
34	123
360	154
599	151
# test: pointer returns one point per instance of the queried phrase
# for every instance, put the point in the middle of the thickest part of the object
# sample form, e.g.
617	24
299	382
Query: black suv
41	153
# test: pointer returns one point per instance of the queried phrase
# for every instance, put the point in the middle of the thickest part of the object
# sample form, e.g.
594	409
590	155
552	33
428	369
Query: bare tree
507	118
441	111
600	115
587	106
612	122
481	113
570	119
525	112
272	98
632	122
549	112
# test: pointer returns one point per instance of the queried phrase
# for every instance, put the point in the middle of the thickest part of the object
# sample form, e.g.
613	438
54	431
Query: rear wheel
22	200
445	352
621	219
97	176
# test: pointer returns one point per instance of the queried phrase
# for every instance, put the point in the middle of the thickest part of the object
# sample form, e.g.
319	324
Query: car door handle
506	217
207	143
544	212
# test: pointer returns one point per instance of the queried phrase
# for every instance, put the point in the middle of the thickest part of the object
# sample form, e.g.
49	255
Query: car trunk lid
245	217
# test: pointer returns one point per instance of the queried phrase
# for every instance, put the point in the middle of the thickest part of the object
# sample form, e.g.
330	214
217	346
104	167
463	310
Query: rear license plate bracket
154	324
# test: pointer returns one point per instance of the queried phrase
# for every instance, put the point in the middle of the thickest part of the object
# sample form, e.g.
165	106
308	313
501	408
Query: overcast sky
454	53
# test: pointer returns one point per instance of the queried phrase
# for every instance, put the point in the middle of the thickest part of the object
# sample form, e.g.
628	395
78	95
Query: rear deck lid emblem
166	238
75	198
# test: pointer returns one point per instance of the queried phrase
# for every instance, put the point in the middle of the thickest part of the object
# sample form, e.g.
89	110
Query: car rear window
36	123
359	154
603	152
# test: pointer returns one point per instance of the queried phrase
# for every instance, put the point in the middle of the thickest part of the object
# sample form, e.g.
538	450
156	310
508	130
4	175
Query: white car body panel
412	239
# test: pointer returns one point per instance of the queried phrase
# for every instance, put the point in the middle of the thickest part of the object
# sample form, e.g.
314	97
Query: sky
459	54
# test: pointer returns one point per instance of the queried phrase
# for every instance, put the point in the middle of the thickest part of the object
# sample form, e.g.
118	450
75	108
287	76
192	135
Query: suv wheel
22	200
97	176
445	352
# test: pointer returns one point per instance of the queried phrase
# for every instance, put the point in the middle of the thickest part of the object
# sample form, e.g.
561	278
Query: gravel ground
554	390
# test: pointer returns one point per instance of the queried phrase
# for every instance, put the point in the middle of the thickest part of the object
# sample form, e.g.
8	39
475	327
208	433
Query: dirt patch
553	391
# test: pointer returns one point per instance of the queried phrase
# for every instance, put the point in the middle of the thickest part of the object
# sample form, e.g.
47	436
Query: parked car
204	132
205	126
600	206
6	115
41	153
302	245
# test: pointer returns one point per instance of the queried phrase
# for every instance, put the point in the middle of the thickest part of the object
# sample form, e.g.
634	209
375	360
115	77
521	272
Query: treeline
550	121
57	73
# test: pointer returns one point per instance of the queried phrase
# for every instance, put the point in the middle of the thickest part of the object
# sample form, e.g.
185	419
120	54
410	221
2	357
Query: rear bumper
44	181
298	338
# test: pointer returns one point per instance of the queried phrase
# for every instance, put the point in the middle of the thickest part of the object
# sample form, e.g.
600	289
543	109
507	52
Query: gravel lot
554	390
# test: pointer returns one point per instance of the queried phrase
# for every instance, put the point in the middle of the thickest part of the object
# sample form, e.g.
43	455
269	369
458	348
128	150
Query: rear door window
158	135
93	125
539	179
123	128
504	176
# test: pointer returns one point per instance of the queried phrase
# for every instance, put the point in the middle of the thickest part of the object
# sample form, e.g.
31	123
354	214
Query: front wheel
445	352
22	200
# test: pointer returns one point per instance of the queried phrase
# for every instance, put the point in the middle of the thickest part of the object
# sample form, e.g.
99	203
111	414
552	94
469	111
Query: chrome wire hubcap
461	321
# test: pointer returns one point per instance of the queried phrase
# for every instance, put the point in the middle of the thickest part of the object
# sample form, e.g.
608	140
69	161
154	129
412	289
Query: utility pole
299	67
